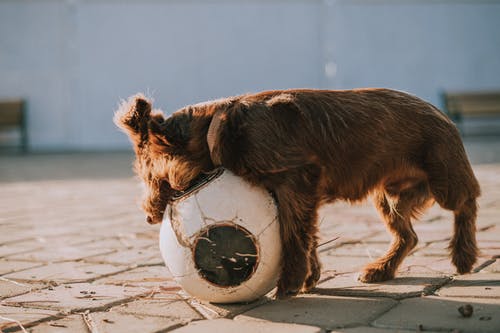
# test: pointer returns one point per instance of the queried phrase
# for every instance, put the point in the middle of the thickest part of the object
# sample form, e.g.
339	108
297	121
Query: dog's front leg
297	200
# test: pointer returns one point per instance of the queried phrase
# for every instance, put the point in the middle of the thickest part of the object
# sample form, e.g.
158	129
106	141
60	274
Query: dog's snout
152	219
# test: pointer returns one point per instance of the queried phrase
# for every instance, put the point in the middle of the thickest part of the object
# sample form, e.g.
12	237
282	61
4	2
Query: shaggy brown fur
309	147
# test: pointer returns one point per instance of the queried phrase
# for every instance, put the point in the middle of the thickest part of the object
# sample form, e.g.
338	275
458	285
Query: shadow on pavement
417	313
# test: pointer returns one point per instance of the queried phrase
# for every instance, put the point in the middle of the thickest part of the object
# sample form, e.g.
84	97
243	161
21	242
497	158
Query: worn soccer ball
220	240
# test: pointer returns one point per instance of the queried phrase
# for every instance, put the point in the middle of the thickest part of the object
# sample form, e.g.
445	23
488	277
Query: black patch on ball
225	254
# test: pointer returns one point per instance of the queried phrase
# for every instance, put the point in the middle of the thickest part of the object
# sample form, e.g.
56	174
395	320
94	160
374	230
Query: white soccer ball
221	240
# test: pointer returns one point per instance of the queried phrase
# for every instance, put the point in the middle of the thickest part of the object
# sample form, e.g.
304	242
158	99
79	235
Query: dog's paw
285	294
288	287
375	273
464	261
311	280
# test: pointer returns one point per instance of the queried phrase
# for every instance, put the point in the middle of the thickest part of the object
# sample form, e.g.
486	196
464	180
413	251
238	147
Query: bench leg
24	129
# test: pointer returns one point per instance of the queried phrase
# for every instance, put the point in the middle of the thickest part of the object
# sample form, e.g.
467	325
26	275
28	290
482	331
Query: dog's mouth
200	181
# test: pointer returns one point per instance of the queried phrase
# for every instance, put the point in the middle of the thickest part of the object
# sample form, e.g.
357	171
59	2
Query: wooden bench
12	117
471	104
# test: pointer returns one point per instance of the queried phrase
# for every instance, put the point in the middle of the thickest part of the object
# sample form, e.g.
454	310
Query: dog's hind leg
314	267
397	209
455	188
463	245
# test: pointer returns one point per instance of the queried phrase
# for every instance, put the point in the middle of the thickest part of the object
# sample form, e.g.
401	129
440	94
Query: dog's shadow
347	302
361	307
397	288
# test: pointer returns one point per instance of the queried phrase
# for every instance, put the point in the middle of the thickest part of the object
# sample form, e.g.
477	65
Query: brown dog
310	147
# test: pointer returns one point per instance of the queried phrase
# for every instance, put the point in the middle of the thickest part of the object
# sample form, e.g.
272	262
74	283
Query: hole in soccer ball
225	255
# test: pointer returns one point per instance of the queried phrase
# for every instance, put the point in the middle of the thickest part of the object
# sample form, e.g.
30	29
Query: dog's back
387	143
358	136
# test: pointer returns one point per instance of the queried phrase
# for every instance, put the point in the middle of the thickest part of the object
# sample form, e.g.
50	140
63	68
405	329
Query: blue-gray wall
73	60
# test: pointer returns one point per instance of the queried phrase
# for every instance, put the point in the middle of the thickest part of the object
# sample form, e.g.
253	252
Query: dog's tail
455	187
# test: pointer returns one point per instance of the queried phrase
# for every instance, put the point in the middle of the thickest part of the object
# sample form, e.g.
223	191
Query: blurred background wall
73	60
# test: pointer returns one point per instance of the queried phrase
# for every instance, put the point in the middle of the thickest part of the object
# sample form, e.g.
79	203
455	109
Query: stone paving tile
171	306
76	297
136	256
441	314
9	288
367	329
61	253
69	324
489	215
213	310
112	322
439	255
427	265
481	285
47	232
490	249
416	263
343	264
363	211
123	242
438	234
245	326
363	222
102	229
104	322
12	233
11	317
435	214
11	266
427	232
68	216
75	238
151	232
369	250
483	261
146	277
140	240
65	272
398	288
492	234
130	228
11	249
66	242
30	228
382	237
493	268
328	312
434	249
346	234
443	223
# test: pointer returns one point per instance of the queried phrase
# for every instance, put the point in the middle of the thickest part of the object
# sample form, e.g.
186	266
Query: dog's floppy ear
168	135
132	117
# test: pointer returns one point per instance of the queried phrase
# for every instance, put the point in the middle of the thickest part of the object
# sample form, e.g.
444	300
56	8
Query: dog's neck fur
213	129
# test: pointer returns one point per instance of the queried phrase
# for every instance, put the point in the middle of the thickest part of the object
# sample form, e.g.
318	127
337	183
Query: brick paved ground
77	256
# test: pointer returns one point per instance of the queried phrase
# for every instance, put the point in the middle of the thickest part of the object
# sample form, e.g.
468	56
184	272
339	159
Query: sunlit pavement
76	255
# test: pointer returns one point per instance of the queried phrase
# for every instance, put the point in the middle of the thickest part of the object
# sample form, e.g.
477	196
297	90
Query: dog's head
168	159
